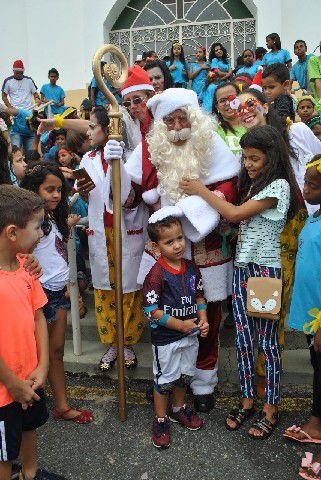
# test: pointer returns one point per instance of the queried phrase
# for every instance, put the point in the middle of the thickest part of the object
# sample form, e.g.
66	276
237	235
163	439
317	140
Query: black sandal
239	415
265	426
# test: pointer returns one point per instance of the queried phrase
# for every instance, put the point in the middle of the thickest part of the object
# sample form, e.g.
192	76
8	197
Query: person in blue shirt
178	66
218	60
96	96
259	54
52	91
248	64
276	53
206	96
198	70
24	127
299	71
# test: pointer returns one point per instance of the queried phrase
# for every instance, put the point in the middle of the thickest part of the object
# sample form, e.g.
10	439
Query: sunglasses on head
135	101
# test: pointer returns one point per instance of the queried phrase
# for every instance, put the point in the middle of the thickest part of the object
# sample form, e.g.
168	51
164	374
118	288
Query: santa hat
170	100
137	80
257	80
18	66
165	212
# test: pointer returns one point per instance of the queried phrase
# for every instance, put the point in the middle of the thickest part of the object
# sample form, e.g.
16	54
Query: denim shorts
56	300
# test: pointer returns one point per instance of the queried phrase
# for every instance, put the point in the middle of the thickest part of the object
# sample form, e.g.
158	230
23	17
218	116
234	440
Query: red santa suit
200	222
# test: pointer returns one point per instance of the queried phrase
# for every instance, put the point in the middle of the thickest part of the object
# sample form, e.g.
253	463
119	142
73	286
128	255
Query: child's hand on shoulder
73	219
317	341
31	265
68	173
191	186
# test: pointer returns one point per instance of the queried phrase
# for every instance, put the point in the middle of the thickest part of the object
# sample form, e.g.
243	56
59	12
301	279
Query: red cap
18	66
137	80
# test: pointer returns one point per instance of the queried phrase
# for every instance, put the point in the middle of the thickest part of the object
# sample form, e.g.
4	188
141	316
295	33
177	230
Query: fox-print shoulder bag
264	297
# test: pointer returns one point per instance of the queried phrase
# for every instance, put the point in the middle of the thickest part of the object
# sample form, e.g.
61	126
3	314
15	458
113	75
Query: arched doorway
154	24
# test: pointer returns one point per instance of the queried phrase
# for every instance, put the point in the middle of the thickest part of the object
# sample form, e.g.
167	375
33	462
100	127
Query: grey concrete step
294	340
297	368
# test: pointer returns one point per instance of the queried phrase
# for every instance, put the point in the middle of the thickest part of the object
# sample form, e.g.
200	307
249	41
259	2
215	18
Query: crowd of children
257	116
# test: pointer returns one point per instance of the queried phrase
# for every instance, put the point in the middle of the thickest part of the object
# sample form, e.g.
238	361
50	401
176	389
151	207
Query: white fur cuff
150	196
199	218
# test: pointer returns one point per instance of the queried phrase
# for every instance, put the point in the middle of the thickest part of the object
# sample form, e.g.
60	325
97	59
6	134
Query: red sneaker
161	436
186	417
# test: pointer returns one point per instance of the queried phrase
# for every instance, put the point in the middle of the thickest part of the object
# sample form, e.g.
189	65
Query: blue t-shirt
258	63
206	97
217	63
55	93
199	81
20	123
307	279
252	70
51	155
173	291
100	98
299	71
281	56
177	75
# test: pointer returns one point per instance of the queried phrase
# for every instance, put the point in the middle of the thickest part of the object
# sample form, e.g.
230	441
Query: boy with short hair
52	91
24	357
174	302
305	108
276	85
299	70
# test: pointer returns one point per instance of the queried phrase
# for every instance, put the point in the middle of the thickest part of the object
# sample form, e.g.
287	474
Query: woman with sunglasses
230	128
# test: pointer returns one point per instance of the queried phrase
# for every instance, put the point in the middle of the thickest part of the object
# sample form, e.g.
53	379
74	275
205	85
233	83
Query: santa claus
183	143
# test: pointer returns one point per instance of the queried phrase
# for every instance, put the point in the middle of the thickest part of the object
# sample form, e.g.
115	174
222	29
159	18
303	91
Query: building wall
65	34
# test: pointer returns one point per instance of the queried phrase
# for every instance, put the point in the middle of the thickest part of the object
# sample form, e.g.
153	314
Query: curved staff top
116	79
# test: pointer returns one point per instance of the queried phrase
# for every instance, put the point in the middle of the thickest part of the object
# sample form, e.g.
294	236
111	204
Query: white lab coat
133	230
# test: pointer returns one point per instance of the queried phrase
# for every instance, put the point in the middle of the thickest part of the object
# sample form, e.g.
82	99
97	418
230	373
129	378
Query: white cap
169	211
170	100
139	58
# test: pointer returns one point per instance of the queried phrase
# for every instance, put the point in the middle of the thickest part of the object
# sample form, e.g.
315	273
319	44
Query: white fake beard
182	163
174	136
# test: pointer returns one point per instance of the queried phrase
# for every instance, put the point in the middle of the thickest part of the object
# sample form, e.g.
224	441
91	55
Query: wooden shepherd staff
111	73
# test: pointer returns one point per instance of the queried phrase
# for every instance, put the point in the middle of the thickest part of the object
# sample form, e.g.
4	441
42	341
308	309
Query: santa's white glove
113	151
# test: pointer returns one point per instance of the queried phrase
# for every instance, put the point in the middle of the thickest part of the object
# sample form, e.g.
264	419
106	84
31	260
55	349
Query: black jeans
316	364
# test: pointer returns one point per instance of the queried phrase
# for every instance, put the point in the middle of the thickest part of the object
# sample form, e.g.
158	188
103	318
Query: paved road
109	449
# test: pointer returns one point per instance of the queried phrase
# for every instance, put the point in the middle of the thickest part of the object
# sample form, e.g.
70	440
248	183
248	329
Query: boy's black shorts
14	420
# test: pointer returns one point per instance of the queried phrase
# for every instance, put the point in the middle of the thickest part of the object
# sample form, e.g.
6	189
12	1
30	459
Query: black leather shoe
204	403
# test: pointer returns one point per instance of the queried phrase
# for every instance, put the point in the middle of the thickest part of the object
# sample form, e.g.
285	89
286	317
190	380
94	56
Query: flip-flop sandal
313	472
306	463
296	429
83	417
239	415
265	426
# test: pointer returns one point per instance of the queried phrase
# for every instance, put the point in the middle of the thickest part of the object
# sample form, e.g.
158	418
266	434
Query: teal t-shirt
217	63
307	279
252	70
281	56
299	71
20	123
206	97
177	75
55	93
199	81
259	237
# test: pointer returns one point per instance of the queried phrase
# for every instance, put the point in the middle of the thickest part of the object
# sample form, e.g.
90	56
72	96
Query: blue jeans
24	141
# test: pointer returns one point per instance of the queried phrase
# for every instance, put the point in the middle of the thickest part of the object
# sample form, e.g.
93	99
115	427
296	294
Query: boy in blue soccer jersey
174	302
52	91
